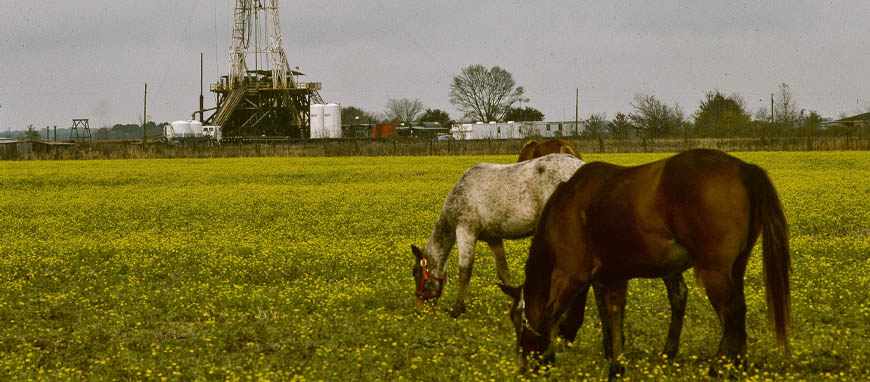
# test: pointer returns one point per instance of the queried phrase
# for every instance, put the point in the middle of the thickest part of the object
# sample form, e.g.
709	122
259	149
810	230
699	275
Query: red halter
426	276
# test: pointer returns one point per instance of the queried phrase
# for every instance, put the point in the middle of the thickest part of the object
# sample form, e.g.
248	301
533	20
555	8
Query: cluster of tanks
191	131
325	123
325	120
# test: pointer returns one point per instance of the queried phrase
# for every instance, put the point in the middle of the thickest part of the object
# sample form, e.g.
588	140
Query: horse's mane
541	258
539	265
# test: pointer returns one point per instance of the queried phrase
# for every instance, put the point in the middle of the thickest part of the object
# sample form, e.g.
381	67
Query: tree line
490	94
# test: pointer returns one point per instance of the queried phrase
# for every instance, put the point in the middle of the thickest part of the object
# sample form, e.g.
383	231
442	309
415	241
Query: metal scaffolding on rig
260	95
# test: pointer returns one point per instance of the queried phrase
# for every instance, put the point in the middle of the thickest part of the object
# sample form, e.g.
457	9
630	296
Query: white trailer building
515	130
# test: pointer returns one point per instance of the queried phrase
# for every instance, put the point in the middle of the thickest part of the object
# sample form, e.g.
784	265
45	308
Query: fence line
408	147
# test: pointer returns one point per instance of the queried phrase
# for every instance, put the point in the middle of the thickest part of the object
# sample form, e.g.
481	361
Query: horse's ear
417	252
513	292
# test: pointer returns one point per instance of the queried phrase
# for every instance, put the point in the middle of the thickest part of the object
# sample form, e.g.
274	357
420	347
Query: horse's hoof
457	311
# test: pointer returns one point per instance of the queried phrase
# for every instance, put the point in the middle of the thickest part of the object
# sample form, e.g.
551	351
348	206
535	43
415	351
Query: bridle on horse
421	294
521	307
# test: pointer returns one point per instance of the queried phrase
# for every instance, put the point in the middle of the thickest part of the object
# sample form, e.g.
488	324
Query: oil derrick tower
260	95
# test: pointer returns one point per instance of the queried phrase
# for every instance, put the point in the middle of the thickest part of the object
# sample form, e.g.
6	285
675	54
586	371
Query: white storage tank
332	120
195	128
317	121
180	128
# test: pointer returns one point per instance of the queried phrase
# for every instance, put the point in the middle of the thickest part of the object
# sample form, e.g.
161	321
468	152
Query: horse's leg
601	304
726	295
465	242
614	296
573	319
677	293
501	267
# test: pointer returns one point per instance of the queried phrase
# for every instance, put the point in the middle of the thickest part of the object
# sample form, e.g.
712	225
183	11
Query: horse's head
533	346
528	151
426	285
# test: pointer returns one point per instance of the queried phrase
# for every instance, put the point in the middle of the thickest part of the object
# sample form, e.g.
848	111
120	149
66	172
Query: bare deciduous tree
403	110
485	94
620	127
596	127
762	115
653	118
31	133
785	107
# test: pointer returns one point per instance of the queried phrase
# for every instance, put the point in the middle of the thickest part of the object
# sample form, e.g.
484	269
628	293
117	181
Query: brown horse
532	149
571	323
608	224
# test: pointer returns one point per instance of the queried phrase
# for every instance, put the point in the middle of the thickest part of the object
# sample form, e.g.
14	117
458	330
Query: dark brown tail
766	214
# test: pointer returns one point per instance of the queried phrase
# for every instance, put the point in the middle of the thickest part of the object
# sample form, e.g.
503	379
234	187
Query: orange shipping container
383	130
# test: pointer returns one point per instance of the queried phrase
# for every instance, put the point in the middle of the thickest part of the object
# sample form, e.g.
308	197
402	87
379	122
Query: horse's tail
766	214
528	151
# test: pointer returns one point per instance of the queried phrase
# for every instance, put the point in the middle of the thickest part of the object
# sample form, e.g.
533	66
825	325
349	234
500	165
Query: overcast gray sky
90	59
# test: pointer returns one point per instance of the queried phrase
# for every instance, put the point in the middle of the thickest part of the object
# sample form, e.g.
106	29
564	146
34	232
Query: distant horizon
95	65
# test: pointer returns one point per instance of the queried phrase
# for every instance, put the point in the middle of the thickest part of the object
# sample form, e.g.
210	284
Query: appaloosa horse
490	202
608	224
532	149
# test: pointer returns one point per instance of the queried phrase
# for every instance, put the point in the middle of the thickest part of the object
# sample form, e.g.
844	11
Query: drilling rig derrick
260	95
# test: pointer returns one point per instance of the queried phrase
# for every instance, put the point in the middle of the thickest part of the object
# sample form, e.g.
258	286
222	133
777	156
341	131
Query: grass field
299	268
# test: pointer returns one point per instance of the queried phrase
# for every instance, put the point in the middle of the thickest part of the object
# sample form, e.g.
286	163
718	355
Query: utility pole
55	133
771	108
145	116
201	98
577	112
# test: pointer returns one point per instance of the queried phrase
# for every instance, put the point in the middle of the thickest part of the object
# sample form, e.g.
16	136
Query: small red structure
383	130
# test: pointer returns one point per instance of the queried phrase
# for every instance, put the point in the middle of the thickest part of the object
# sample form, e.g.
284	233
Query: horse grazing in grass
490	202
701	208
532	149
674	283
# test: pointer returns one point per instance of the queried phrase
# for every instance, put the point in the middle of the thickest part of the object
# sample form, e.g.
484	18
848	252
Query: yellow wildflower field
300	269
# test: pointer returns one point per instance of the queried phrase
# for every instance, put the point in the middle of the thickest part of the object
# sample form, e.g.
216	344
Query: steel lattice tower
260	96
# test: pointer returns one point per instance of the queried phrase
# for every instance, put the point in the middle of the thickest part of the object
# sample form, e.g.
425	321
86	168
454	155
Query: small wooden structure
84	134
17	150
